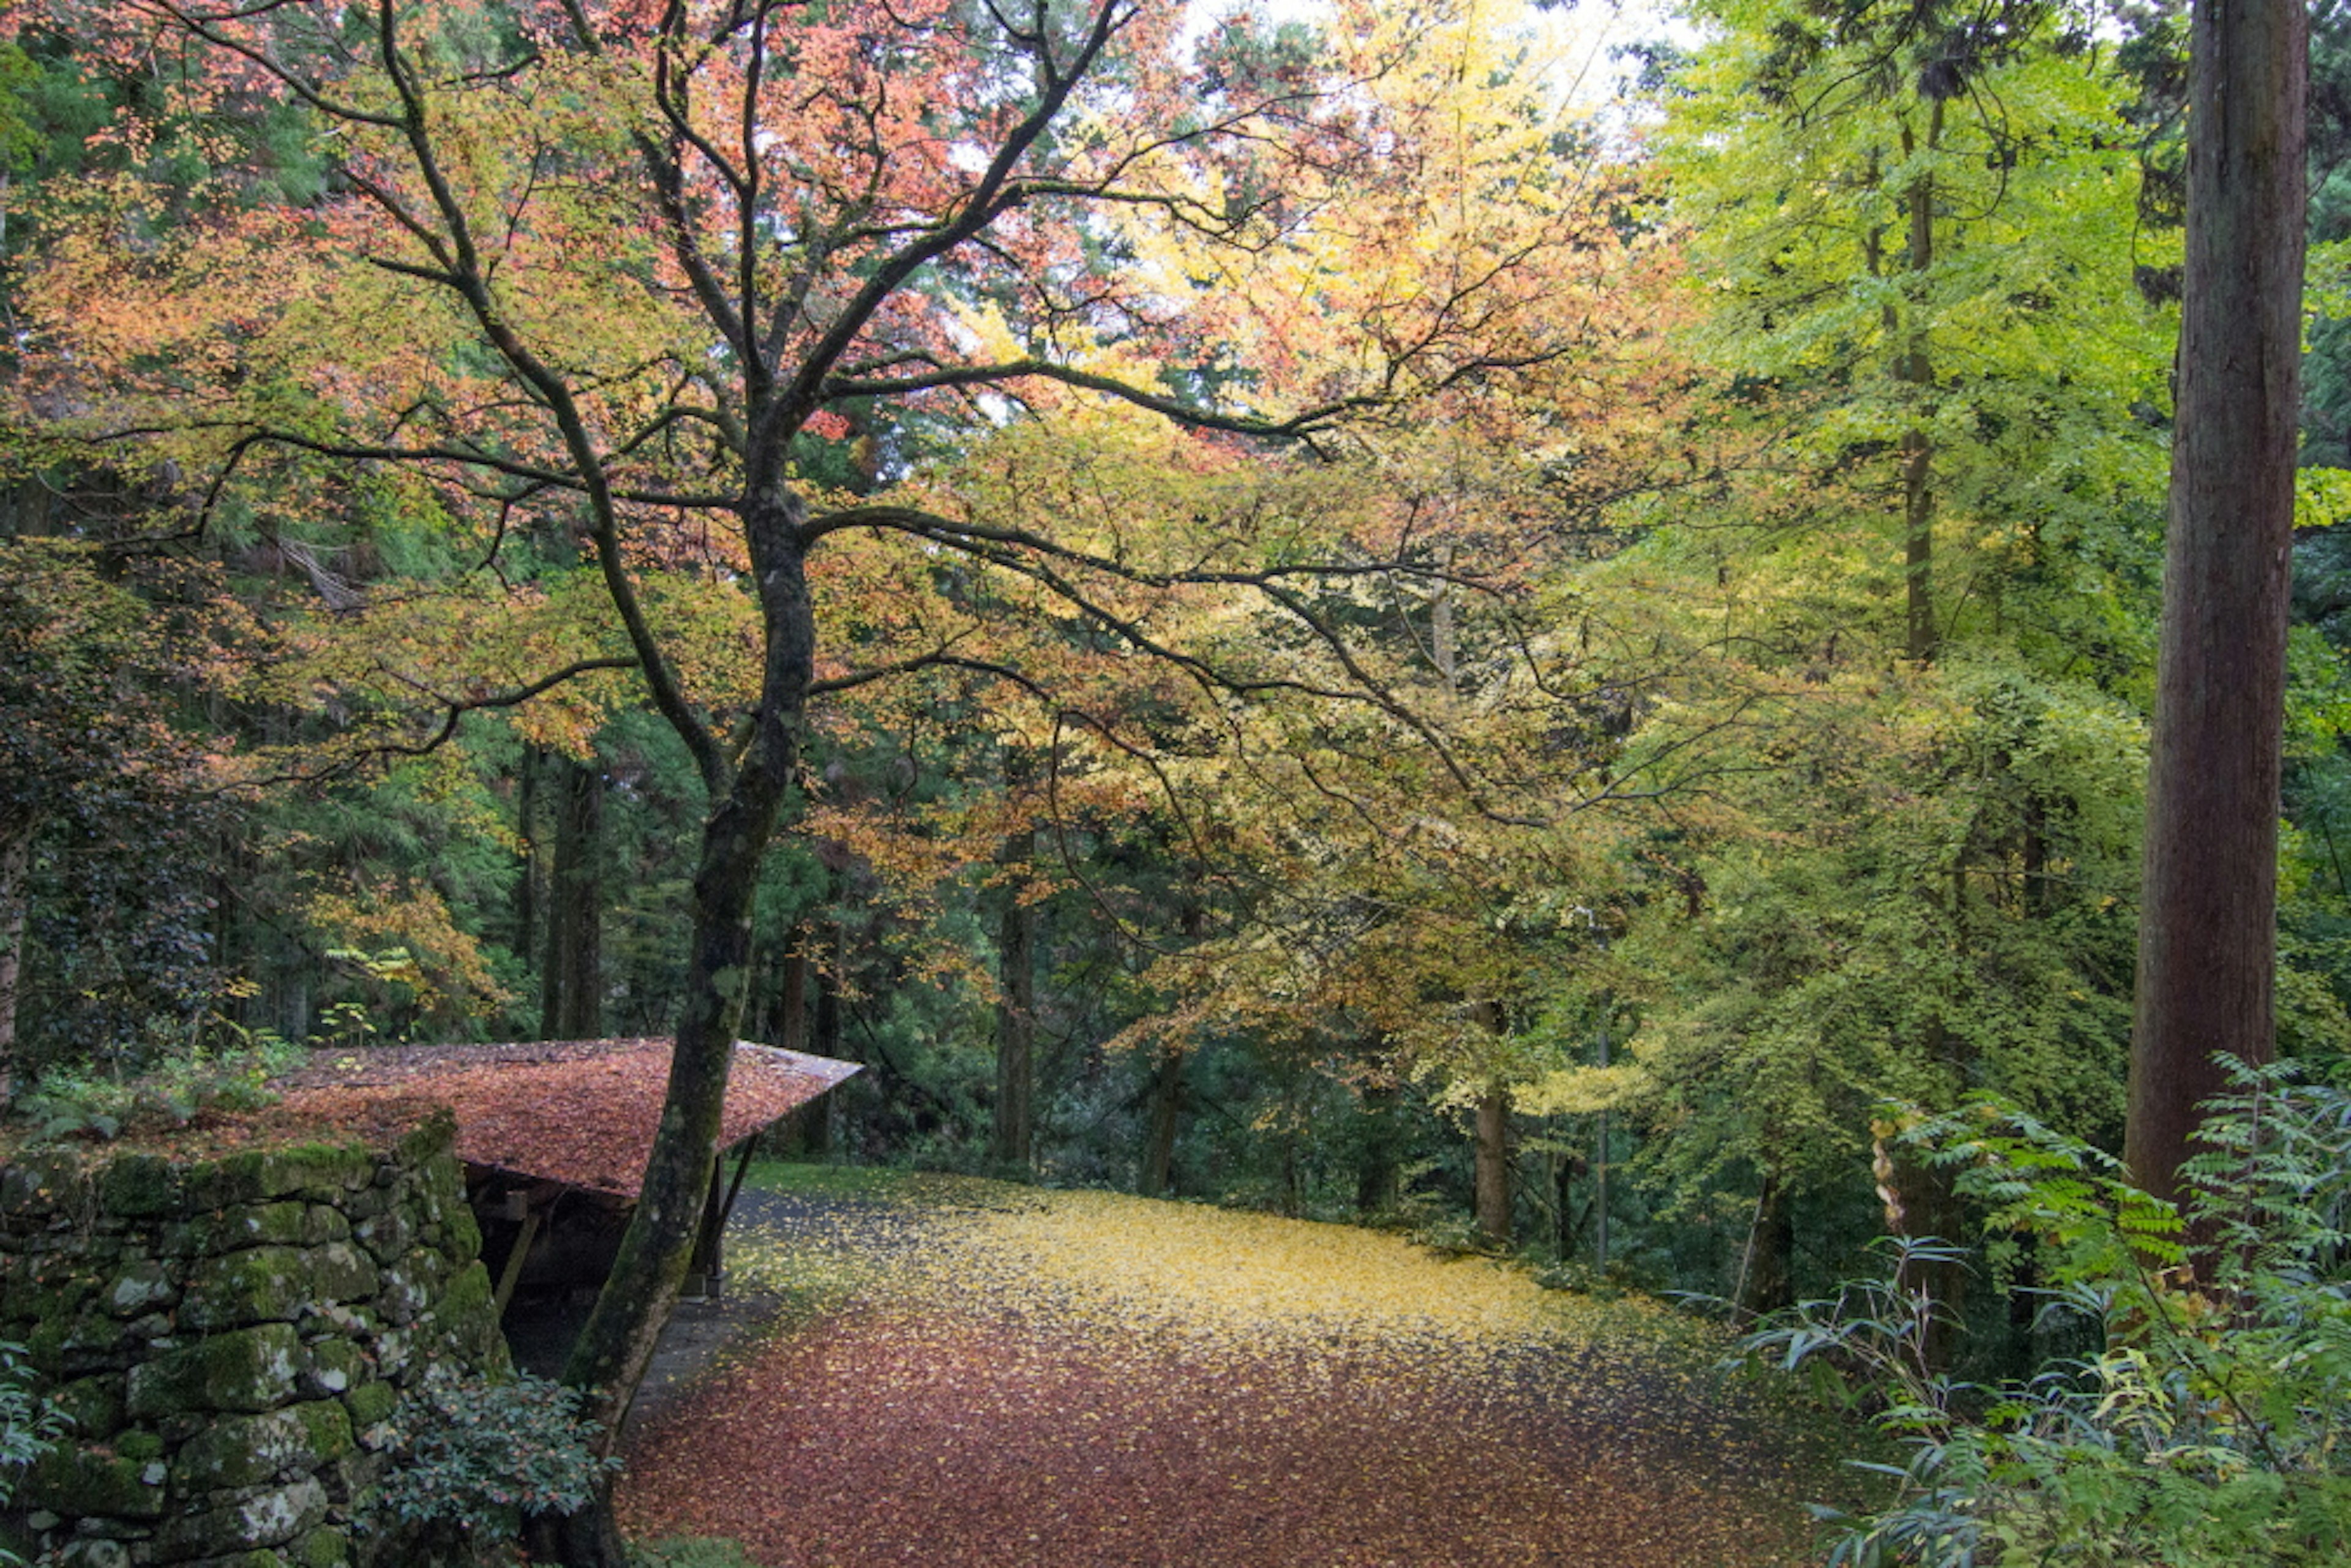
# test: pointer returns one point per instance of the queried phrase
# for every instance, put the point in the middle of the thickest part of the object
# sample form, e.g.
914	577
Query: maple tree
642	263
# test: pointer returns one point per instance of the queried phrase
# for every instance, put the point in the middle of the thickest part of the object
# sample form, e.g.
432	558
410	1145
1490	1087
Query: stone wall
229	1337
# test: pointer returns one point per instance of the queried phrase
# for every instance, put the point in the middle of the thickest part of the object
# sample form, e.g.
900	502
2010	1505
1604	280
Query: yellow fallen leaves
1114	1263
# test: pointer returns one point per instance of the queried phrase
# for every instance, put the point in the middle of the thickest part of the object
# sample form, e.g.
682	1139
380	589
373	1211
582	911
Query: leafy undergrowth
983	1373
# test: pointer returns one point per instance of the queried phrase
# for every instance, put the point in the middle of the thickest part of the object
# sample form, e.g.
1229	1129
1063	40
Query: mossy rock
465	1242
369	1403
335	1367
140	1187
325	1547
94	1405
139	1286
45	1183
321	1171
247	1450
266	1519
249	1370
274	1284
81	1483
433	1137
56	1289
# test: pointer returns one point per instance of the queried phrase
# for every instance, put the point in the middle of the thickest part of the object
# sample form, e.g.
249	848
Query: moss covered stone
45	1183
274	1284
139	1287
94	1405
325	1547
79	1482
248	1370
93	1553
140	1187
323	1171
247	1450
271	1518
369	1403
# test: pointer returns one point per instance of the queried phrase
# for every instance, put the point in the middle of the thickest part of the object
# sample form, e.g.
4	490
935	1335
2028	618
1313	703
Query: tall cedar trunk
2209	899
16	872
609	1360
1159	1136
1916	368
1015	1011
571	982
830	1038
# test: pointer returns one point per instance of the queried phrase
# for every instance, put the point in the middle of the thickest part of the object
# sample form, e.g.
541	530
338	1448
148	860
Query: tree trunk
1917	368
1159	1137
16	873
2206	948
1766	1275
791	1028
530	896
1378	1167
572	983
1493	1161
1016	1013
609	1360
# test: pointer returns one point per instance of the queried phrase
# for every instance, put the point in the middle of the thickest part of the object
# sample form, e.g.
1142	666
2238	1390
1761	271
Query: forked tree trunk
608	1362
2207	950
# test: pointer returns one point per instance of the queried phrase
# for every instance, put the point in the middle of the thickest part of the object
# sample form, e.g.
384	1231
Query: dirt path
954	1390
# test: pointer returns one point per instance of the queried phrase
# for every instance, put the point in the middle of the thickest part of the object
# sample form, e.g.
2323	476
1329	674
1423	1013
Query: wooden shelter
554	1135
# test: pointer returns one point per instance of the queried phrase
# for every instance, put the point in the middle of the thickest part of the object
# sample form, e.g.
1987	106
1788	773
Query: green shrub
28	1425
68	1103
2212	1431
474	1455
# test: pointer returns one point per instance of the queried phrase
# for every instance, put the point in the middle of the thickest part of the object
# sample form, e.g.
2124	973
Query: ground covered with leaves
968	1372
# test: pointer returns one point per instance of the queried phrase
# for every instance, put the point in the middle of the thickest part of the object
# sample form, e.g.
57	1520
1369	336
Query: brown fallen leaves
974	1396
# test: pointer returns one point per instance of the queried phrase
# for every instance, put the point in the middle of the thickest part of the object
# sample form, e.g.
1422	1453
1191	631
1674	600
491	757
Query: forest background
1406	651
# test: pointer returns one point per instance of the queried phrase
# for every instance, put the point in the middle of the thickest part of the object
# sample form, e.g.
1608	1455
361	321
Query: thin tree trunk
571	982
16	873
1016	1013
789	1026
1376	1167
1767	1277
1159	1137
1493	1162
2207	950
1492	1143
530	899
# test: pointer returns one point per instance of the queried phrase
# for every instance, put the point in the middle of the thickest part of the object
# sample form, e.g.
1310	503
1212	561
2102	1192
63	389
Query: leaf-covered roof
578	1112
